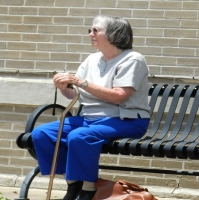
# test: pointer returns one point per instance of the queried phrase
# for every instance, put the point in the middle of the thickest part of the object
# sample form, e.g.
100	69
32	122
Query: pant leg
44	138
110	128
84	144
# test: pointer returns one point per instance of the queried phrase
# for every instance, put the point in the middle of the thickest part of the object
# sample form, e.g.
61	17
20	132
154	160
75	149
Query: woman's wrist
84	84
80	83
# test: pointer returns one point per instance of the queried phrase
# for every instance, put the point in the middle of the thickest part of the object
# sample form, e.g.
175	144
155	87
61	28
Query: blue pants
81	143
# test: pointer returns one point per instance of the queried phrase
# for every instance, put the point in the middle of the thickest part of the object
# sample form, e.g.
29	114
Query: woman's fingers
61	78
61	86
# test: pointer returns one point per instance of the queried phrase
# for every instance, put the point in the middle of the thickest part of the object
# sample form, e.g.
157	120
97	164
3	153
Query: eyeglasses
94	30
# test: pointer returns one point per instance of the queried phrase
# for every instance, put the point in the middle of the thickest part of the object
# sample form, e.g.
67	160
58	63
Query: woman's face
98	38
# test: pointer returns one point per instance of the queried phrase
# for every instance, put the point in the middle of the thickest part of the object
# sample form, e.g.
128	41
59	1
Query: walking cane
52	173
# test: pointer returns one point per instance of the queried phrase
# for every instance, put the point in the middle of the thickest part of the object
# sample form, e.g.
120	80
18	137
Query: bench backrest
179	103
174	124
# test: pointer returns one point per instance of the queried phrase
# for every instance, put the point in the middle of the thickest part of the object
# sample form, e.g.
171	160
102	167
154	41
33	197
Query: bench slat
145	147
170	151
157	148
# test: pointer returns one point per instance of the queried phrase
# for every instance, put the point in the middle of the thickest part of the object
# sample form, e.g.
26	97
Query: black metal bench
173	132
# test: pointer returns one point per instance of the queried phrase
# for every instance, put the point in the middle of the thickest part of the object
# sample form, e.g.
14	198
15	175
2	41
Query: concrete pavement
12	193
10	188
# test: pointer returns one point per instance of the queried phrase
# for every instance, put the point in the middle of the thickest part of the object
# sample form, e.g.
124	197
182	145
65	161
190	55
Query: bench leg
26	184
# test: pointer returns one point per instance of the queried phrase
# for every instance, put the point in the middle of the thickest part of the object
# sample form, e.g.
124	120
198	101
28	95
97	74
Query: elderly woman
113	87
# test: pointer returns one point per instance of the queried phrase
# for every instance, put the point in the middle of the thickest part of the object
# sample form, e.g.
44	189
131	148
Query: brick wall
40	37
52	34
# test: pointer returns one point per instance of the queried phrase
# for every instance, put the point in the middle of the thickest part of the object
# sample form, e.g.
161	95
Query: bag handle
131	186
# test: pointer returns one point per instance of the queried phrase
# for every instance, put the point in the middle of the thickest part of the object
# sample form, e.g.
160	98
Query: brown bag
120	190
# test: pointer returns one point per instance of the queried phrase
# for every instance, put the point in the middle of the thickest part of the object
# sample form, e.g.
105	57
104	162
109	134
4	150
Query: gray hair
118	31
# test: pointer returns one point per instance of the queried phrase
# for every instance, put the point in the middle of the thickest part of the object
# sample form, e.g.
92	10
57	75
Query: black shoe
85	195
73	190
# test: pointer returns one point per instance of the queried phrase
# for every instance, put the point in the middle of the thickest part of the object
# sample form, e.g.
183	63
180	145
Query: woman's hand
62	80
